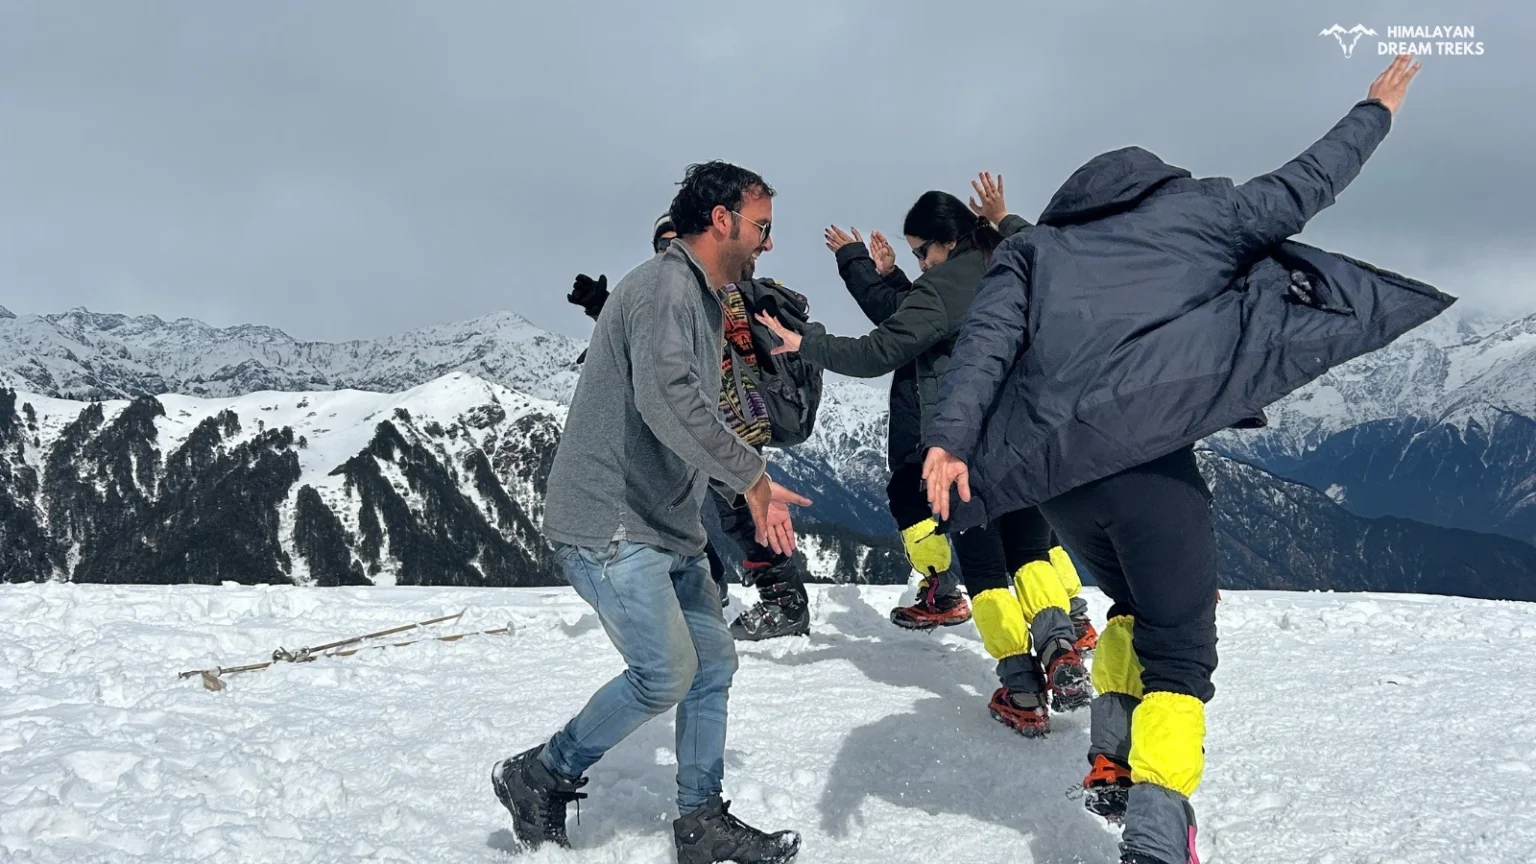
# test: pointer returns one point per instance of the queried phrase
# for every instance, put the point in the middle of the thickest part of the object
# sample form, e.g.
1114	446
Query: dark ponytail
942	218
985	237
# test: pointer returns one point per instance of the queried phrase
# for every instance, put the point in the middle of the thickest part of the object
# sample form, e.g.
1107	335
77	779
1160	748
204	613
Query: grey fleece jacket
644	436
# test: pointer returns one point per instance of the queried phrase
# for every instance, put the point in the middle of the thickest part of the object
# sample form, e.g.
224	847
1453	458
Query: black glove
590	294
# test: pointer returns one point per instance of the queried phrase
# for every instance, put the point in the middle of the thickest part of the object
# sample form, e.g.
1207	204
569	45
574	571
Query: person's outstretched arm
919	323
1271	207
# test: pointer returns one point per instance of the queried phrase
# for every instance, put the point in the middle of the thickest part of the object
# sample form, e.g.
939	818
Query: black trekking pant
737	524
989	557
905	496
990	554
1147	537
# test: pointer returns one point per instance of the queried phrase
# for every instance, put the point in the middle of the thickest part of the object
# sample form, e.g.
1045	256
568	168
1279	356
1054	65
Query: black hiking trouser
1147	537
736	523
905	497
990	554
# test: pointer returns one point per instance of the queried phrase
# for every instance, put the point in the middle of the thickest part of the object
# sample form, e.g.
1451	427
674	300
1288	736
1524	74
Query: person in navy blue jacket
1145	311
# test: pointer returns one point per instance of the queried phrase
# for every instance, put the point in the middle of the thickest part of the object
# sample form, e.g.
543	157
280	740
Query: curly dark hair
709	185
941	217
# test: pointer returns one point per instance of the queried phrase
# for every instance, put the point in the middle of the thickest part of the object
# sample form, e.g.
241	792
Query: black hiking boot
711	834
536	797
783	608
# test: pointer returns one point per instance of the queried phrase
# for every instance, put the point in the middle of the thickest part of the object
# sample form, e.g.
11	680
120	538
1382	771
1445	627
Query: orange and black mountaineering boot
1106	789
1023	712
932	609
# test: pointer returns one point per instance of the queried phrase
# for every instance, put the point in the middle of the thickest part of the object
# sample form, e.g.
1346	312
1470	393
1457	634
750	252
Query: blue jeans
662	611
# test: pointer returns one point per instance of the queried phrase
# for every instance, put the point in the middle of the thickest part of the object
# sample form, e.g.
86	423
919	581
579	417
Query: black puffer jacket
880	297
1149	310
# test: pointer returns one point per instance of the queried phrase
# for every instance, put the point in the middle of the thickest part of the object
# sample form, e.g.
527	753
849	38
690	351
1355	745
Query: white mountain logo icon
1354	33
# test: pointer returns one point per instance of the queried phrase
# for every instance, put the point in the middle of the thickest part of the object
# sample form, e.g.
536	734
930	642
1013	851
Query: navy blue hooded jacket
1148	310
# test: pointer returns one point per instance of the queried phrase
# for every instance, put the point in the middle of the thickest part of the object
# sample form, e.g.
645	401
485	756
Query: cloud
350	169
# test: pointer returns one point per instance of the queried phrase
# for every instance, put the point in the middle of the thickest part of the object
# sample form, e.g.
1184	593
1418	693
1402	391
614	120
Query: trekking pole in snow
303	655
452	637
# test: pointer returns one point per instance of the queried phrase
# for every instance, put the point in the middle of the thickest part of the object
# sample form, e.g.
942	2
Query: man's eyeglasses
764	228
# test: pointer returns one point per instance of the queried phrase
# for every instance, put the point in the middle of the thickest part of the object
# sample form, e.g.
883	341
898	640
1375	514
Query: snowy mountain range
442	484
1454	369
421	458
83	355
1439	427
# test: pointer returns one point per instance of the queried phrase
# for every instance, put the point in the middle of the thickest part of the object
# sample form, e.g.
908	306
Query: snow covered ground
1346	728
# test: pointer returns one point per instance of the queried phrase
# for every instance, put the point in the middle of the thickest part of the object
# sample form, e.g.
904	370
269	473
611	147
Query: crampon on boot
1024	713
1106	788
932	609
711	834
536	797
1067	678
1087	636
782	609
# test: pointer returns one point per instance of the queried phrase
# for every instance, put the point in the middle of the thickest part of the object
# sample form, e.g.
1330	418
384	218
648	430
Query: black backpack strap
763	340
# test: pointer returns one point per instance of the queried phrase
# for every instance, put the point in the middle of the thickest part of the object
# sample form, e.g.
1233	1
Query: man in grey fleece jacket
642	442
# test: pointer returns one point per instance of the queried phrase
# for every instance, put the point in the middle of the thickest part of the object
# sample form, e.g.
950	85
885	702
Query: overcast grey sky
354	168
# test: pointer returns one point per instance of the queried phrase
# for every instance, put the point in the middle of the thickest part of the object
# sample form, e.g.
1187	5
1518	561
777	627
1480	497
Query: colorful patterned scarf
752	424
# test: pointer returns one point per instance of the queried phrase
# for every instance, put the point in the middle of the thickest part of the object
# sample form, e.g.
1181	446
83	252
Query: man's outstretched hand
1392	85
942	470
778	516
768	502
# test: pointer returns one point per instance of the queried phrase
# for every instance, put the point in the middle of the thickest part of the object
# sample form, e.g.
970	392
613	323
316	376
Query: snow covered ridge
388	504
441	484
1454	370
86	355
438	484
851	736
1439	427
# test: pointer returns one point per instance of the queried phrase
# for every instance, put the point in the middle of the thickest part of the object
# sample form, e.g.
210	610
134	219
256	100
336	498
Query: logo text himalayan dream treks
1438	39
